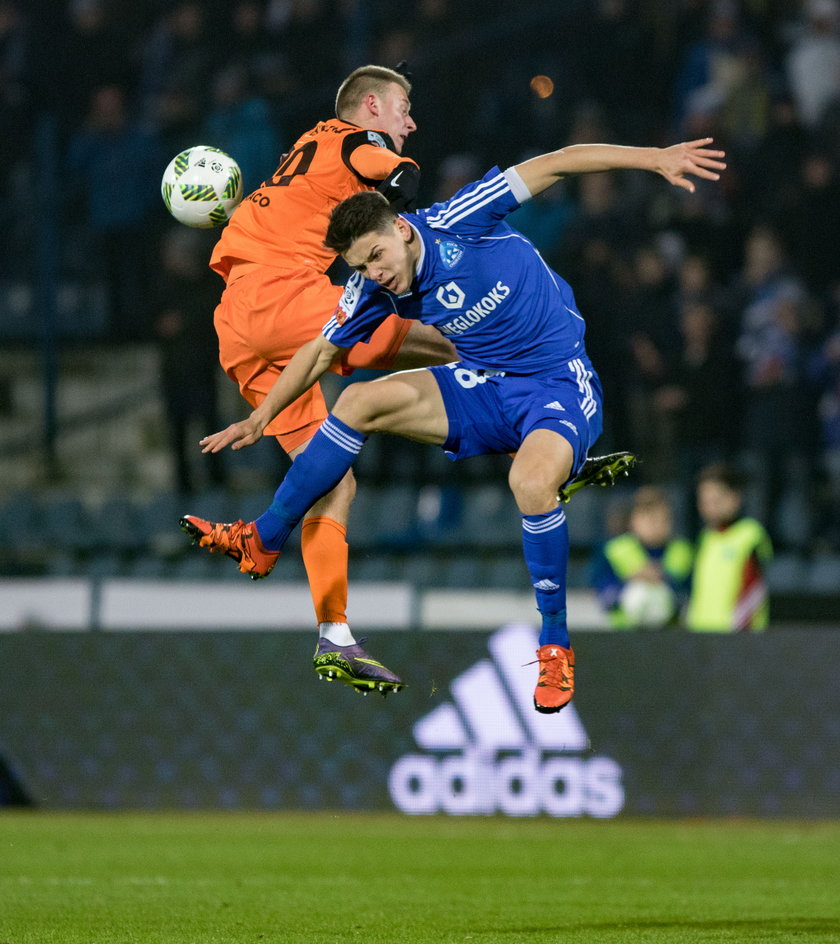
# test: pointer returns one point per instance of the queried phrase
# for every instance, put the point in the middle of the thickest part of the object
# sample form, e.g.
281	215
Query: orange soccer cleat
556	683
239	540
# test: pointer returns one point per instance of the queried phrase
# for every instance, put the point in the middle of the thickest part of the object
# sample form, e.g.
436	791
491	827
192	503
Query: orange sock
323	544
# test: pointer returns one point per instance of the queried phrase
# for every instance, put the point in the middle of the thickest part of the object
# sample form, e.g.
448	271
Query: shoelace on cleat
214	537
556	678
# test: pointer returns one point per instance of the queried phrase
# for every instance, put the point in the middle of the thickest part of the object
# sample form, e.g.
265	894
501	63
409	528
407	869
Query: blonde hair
363	81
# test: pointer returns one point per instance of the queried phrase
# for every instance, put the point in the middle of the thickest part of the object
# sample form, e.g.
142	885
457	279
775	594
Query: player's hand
690	157
237	436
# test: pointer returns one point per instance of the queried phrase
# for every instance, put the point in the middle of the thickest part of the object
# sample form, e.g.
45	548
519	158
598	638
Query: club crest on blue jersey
450	253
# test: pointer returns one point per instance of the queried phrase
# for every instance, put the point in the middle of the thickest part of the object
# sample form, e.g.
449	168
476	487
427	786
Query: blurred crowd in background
713	319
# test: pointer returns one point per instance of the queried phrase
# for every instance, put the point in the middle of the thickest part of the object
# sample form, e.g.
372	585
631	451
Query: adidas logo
554	405
487	751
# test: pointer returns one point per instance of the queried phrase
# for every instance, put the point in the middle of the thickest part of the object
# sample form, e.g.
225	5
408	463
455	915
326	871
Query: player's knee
356	407
535	491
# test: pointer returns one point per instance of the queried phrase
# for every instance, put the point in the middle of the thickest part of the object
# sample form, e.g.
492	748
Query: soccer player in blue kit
523	384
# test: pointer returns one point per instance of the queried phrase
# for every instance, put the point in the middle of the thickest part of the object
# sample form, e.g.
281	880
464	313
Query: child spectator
642	576
728	589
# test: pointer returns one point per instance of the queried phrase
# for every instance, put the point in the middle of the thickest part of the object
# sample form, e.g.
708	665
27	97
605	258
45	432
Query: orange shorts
264	316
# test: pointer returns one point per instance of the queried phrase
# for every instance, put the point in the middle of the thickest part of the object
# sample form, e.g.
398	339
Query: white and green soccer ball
646	604
202	186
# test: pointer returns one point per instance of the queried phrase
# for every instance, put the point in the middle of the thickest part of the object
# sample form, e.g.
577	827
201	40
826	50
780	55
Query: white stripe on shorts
584	377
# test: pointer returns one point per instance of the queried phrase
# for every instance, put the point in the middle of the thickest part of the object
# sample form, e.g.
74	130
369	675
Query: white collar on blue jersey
422	257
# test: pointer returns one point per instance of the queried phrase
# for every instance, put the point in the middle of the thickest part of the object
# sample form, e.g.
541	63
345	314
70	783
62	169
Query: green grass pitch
196	878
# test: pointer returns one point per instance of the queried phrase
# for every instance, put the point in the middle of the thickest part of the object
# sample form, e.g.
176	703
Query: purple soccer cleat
353	666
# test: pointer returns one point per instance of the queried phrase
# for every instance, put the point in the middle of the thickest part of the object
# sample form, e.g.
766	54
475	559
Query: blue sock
316	471
545	541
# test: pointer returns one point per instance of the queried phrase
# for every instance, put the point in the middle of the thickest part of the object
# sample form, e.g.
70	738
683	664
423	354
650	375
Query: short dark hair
723	473
366	212
648	497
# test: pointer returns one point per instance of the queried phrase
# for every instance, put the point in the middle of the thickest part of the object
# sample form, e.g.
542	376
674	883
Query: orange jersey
283	222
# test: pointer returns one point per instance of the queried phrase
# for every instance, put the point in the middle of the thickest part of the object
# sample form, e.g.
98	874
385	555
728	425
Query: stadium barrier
662	724
130	604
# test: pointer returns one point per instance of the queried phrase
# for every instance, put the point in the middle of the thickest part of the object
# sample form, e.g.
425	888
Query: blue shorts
492	412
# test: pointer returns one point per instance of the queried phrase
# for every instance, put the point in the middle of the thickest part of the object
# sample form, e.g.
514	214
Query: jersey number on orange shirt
306	152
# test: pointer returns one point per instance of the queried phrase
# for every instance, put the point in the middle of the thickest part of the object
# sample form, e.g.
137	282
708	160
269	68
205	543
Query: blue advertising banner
663	724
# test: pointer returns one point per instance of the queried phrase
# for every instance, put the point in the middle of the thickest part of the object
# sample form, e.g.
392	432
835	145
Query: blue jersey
482	284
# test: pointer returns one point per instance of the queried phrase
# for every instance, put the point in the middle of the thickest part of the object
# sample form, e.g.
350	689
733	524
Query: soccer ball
202	186
647	604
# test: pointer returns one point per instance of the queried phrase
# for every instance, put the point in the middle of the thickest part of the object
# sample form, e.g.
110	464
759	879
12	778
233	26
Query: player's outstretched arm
676	163
310	362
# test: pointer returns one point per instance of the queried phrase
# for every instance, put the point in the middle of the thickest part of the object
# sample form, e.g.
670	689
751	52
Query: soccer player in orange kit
278	297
